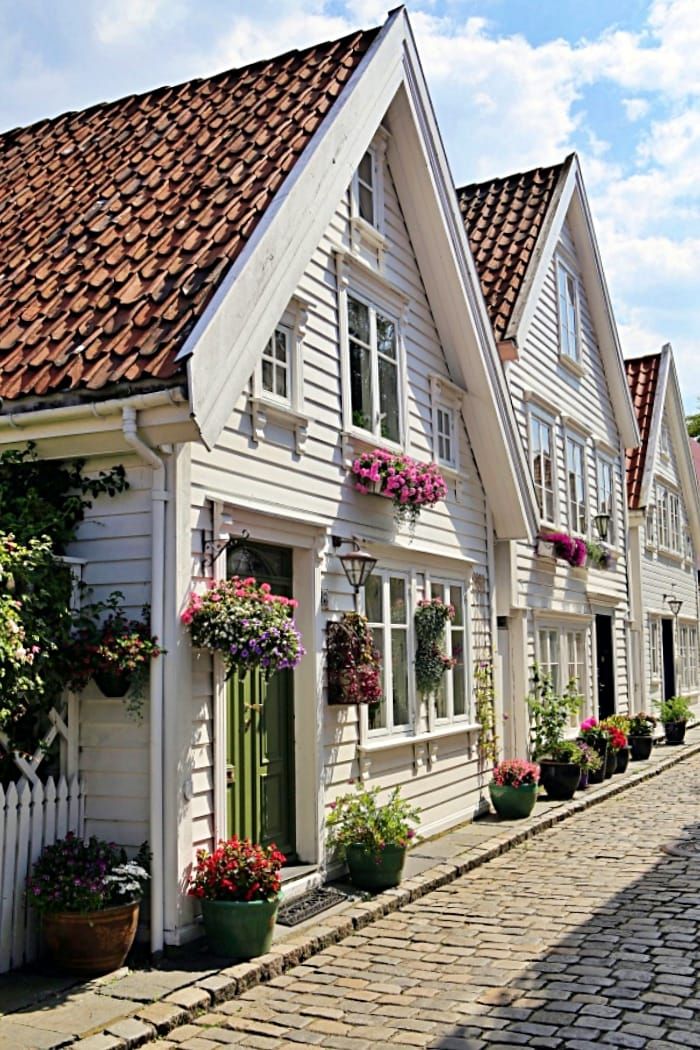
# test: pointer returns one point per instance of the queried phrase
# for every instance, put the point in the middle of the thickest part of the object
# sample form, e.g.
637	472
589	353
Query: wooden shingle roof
117	223
504	219
642	376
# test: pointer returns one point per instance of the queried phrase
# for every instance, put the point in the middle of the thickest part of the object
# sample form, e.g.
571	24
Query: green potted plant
372	837
559	760
622	750
431	617
591	763
641	736
513	789
238	886
88	895
674	713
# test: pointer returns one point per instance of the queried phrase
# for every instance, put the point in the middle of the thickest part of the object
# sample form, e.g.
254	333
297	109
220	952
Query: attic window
365	188
567	301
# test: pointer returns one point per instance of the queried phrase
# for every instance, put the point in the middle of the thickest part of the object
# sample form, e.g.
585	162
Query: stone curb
184	1005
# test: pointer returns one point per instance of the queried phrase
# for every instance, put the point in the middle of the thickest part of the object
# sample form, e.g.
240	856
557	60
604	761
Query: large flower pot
513	803
641	747
240	929
113	684
93	942
376	870
596	776
623	759
559	779
610	763
675	732
583	779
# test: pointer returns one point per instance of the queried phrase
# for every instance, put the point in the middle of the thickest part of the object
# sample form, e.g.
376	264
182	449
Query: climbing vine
486	713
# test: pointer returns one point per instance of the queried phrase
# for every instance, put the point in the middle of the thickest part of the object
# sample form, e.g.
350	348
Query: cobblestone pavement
584	937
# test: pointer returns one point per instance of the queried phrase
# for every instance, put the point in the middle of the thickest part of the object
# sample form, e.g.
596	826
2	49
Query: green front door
260	725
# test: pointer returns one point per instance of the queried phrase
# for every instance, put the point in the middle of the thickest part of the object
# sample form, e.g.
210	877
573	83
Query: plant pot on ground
590	735
372	837
623	759
514	787
616	728
591	764
560	771
674	713
641	736
88	894
238	886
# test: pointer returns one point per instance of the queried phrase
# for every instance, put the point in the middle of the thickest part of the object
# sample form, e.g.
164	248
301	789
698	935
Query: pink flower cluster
411	485
516	772
569	548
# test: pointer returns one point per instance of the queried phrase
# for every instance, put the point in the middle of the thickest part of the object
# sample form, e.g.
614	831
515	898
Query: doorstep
128	1008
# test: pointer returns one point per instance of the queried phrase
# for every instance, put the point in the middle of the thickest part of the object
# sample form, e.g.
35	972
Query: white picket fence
32	815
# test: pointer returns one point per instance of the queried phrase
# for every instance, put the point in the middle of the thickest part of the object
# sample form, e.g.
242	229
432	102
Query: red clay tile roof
117	223
642	376
503	219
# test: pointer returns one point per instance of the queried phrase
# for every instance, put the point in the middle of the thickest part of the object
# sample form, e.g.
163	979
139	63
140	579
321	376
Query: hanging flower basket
430	618
251	627
353	664
409	484
571	549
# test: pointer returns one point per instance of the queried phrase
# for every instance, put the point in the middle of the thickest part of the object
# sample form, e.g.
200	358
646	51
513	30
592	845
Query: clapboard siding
550	590
115	542
316	485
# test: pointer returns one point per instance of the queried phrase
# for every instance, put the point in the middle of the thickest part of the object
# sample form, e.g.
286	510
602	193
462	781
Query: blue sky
515	83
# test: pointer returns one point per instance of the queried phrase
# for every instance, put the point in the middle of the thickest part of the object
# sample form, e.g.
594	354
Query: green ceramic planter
378	870
513	803
240	929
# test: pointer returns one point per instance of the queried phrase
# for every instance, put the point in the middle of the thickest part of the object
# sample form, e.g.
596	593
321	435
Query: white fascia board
226	343
653	440
684	459
571	200
421	173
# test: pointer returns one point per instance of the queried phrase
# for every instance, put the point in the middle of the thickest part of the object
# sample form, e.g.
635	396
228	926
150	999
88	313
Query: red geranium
618	739
237	870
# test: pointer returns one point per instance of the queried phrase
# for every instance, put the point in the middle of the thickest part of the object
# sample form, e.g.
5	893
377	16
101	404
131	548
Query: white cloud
119	21
635	108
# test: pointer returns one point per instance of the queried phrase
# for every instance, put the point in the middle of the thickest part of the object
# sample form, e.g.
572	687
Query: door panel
260	729
605	666
668	658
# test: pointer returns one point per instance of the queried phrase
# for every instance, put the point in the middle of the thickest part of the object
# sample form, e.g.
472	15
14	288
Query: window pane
457	599
399	672
397	599
389	399
373	599
459	686
365	168
377	712
358	320
360	386
441	699
267	376
437	590
366	204
386	337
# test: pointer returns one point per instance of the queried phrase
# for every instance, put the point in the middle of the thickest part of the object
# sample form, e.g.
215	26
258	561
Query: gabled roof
514	225
643	379
118	223
504	219
657	397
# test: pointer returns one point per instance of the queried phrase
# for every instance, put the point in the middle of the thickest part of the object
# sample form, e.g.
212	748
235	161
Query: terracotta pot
92	942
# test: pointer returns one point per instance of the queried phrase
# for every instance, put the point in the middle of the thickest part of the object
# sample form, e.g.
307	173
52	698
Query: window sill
356	440
262	410
364	234
389	743
574	367
672	555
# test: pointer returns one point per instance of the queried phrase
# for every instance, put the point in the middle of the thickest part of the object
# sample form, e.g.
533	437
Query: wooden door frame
308	542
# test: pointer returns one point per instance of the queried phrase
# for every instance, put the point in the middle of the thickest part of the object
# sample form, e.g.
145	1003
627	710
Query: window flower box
409	484
571	549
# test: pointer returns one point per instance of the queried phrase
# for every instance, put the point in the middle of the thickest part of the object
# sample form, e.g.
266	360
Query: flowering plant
411	485
571	549
247	624
591	761
116	646
237	870
592	733
75	875
357	819
616	737
516	772
641	724
431	616
354	667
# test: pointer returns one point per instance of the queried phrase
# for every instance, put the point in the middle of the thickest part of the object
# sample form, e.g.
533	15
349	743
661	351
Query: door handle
230	775
253	707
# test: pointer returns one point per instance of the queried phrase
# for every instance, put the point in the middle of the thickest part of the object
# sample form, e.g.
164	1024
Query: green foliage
357	819
642	724
486	713
567	751
675	709
692	422
430	619
43	497
78	875
550	712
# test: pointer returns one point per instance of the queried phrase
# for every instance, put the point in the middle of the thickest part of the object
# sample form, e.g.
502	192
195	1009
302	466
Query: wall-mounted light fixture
602	525
357	564
215	548
674	604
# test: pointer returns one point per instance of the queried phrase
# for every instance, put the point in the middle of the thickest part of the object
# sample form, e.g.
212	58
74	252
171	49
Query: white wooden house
664	519
535	250
183	300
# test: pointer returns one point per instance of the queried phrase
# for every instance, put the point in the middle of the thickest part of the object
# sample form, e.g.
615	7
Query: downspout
159	497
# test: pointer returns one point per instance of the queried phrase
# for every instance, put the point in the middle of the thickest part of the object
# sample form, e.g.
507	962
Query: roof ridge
559	166
155	92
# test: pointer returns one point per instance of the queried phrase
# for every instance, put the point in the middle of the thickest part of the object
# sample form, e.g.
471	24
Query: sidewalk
128	1008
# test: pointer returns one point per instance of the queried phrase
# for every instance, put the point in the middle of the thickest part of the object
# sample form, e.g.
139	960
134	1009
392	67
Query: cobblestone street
581	938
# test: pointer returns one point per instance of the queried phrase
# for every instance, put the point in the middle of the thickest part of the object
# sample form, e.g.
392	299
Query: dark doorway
605	666
667	656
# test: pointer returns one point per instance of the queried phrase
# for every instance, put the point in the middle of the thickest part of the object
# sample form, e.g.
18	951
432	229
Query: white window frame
650	526
560	634
368	238
288	366
655	651
266	405
604	463
580	506
565	272
391	729
539	418
670	521
448	398
446	583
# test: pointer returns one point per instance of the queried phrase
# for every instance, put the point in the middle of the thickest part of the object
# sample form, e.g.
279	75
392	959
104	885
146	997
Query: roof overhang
570	201
226	344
